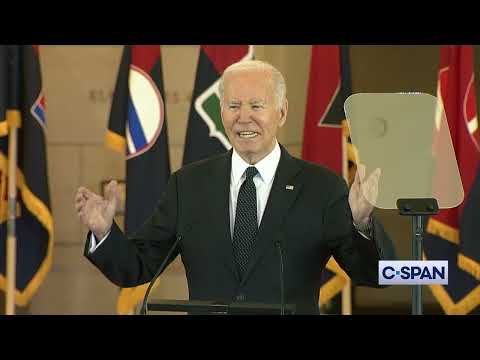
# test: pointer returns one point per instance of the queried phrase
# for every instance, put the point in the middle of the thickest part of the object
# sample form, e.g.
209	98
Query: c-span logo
412	272
145	112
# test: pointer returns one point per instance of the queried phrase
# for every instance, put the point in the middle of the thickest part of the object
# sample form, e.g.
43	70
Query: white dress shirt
263	181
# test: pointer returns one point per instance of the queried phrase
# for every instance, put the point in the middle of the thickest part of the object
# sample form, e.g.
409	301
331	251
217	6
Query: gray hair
279	86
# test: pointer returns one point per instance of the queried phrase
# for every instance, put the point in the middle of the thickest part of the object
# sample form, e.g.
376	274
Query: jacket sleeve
133	261
357	255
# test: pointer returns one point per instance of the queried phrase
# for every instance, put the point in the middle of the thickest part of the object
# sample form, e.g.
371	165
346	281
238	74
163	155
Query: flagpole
347	299
13	123
347	289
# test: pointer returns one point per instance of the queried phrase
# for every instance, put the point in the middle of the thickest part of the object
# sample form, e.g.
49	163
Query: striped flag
137	128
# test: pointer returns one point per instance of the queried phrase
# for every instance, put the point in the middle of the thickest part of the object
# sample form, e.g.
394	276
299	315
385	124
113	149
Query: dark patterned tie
246	226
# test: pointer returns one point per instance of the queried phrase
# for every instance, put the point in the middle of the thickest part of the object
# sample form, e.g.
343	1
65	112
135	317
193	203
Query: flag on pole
452	234
137	128
22	102
325	131
205	133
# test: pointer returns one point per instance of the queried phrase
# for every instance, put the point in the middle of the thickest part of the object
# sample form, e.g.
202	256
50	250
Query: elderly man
234	212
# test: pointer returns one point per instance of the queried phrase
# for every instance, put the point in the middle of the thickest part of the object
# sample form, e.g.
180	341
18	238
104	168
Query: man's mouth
247	134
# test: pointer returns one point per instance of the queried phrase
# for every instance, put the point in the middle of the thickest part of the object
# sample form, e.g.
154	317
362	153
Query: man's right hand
96	212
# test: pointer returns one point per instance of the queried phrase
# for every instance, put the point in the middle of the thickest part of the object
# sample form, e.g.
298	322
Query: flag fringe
44	216
115	142
336	284
463	307
442	230
131	297
469	265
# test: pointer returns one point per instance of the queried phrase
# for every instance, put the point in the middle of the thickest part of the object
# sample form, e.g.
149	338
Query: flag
22	102
469	255
325	131
138	128
452	235
205	133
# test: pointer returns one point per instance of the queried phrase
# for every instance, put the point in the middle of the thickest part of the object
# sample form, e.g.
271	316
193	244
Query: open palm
363	194
97	212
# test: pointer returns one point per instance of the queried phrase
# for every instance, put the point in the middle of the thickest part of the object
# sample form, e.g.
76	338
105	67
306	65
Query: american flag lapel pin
289	187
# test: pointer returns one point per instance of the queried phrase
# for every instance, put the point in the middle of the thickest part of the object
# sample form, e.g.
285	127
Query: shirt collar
266	167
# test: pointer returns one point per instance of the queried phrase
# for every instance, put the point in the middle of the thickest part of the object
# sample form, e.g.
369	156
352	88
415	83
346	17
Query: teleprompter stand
418	209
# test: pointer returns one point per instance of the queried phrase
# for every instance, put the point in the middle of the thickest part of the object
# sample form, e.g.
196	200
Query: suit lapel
219	184
278	204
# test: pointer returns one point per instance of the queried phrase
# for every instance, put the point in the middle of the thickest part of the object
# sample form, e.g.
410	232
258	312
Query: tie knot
251	172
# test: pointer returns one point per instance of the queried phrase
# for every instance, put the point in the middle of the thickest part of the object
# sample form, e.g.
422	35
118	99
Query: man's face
250	115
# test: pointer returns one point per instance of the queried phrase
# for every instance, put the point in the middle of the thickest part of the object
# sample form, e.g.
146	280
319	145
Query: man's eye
233	107
257	107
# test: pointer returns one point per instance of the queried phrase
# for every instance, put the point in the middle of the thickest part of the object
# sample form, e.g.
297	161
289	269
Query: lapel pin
289	187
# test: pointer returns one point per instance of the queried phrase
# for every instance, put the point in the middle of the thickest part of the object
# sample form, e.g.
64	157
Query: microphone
143	309
279	246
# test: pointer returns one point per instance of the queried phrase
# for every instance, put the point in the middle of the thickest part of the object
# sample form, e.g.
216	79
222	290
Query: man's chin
246	150
252	156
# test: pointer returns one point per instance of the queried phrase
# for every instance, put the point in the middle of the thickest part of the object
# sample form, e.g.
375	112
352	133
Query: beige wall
79	82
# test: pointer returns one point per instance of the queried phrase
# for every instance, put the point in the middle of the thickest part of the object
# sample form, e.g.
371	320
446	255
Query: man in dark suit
237	211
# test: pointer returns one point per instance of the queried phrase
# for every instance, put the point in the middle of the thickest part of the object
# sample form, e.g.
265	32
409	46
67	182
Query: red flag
329	86
456	90
446	238
322	139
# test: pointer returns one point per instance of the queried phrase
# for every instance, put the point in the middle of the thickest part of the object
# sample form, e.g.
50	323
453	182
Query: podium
207	307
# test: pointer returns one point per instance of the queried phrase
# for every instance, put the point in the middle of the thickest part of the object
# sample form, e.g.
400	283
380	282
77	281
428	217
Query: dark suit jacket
312	222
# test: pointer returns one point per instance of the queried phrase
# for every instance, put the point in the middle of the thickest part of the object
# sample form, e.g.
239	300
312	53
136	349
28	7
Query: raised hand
97	212
363	194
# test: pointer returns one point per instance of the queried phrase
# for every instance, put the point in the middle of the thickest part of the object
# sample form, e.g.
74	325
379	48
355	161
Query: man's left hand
360	206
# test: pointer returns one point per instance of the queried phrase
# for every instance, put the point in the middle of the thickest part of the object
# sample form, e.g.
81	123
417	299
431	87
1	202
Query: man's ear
221	112
283	113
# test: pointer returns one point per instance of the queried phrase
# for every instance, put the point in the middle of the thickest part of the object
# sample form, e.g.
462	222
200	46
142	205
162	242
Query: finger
370	181
359	179
356	180
83	191
110	191
361	169
374	178
368	186
82	218
79	206
79	197
372	187
80	203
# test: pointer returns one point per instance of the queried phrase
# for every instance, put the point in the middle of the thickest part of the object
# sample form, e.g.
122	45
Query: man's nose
245	114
